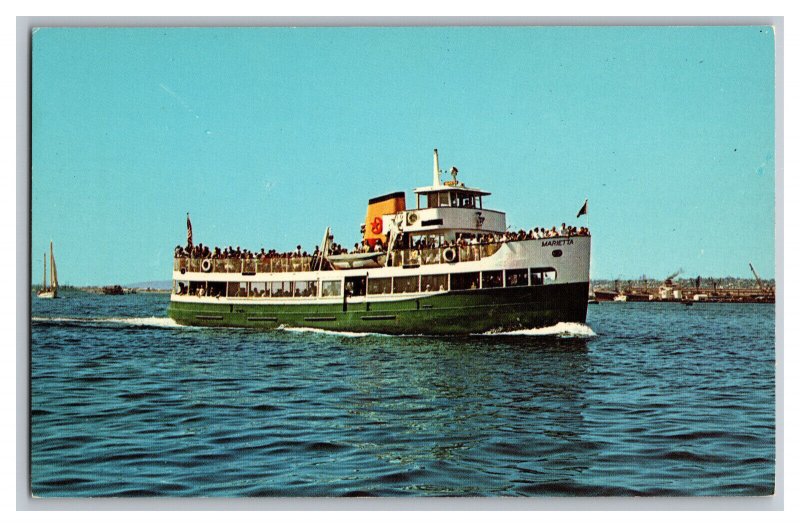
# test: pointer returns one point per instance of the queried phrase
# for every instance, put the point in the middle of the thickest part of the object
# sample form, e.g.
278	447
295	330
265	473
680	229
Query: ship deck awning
451	188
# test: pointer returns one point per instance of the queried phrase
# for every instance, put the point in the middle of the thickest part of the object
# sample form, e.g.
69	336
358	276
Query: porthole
557	253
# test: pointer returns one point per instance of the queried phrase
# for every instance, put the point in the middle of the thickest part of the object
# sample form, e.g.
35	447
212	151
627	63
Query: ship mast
44	272
436	172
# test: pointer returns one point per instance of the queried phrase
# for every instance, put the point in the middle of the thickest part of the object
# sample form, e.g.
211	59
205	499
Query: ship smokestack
436	182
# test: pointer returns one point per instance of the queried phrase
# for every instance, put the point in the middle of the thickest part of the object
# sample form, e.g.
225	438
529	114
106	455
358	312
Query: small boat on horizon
113	290
602	295
51	290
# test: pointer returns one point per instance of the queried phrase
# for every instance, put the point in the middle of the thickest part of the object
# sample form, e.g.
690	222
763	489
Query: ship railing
271	264
466	253
295	264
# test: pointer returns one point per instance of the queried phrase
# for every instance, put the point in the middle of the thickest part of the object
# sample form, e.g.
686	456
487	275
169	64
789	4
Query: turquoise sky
268	135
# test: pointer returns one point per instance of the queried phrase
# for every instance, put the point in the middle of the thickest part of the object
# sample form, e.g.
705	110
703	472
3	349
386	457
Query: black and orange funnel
373	225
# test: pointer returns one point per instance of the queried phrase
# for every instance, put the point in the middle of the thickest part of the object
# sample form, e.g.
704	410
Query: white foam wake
562	329
160	322
326	332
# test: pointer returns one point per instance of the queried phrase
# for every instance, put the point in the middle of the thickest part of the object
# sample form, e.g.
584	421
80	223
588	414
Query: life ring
412	218
449	255
206	266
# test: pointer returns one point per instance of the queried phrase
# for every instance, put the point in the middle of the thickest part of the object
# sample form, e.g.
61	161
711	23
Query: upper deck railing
269	264
465	253
297	264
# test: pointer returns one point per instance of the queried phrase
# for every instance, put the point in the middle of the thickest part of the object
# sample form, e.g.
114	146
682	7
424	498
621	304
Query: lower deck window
215	289
433	282
259	290
197	288
406	284
305	288
516	277
379	286
180	287
542	275
279	289
355	285
331	288
492	279
461	281
237	289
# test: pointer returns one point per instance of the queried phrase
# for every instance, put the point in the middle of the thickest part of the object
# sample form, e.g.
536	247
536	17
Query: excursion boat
423	272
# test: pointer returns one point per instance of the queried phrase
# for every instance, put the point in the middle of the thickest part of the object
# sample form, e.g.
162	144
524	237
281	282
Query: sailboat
52	290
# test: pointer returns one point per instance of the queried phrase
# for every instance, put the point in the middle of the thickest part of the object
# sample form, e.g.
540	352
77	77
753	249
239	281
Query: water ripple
657	400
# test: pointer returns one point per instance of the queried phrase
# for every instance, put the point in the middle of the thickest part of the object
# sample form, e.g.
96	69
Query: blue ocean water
649	399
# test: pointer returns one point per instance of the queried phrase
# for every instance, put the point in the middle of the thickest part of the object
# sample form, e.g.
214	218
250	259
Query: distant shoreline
99	289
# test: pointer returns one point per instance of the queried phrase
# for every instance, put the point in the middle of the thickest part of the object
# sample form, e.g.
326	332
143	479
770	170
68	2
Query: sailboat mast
53	275
44	272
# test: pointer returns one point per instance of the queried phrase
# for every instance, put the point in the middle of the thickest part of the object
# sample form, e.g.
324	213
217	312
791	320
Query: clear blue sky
268	135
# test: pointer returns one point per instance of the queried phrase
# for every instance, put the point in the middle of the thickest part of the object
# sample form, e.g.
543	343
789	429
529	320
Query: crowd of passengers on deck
201	251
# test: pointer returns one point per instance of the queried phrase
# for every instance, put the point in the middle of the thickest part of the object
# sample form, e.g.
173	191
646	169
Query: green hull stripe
455	312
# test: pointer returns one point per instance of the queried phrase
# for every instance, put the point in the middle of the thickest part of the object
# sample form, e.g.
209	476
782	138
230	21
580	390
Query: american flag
189	231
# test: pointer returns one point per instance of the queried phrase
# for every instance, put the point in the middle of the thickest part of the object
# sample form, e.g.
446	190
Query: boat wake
158	322
562	329
329	332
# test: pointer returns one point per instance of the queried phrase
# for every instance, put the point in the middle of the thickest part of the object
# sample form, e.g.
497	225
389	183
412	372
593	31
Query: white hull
569	257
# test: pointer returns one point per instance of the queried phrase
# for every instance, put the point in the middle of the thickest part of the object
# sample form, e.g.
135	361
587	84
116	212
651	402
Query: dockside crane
758	278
